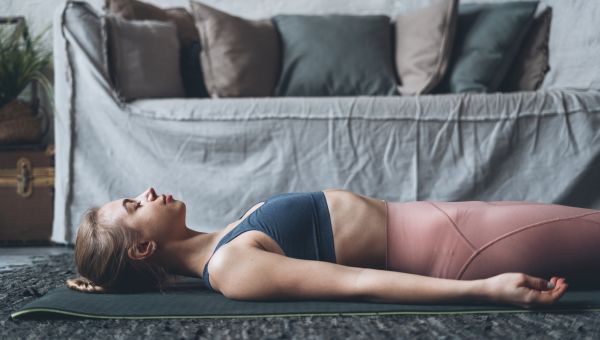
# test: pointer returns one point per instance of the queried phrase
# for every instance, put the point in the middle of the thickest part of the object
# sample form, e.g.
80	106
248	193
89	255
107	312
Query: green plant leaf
22	60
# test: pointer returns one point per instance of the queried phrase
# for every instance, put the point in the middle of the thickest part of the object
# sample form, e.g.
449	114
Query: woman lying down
335	244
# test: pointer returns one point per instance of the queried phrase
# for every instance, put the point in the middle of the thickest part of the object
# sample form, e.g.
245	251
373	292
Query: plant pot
18	125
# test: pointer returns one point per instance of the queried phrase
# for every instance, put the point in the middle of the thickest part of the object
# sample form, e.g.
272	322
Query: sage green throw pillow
488	36
336	55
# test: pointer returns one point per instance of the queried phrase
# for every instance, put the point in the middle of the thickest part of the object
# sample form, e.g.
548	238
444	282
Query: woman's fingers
552	295
525	290
536	283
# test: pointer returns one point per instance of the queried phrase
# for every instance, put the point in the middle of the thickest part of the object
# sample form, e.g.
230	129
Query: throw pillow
487	38
531	64
240	57
191	70
138	10
423	45
144	58
336	55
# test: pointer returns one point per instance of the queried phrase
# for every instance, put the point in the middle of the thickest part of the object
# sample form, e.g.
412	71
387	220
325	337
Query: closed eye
138	205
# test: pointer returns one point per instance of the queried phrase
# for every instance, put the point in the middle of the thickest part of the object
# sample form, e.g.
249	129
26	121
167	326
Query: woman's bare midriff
359	228
358	224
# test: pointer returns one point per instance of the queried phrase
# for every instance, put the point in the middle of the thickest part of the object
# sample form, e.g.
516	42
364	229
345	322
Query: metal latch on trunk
24	177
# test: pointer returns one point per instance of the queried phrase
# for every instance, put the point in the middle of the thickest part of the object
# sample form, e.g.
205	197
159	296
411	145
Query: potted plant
23	63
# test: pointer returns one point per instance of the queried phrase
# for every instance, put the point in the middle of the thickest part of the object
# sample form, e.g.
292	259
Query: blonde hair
101	259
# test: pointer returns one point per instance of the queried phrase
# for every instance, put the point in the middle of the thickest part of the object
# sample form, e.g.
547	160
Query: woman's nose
149	194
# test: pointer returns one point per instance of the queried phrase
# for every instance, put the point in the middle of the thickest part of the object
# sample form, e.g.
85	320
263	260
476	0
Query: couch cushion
531	64
423	45
487	38
240	57
144	58
191	70
336	55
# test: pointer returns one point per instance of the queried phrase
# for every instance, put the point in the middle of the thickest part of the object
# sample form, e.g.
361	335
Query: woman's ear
141	250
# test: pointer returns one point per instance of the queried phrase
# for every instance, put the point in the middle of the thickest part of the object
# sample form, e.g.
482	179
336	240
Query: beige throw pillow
424	41
240	58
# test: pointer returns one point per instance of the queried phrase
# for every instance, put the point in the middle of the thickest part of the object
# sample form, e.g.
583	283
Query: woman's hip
475	239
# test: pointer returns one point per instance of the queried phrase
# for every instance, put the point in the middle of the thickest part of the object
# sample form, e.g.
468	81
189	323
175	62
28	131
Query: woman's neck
186	256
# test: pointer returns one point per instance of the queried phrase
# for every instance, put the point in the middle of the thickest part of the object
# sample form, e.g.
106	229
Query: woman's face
156	217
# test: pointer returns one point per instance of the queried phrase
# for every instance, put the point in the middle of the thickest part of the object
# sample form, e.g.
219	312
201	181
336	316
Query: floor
30	272
24	256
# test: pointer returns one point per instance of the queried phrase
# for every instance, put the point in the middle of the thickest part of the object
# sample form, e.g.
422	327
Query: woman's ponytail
84	285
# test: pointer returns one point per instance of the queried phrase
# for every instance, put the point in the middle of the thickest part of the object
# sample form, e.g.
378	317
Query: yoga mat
190	300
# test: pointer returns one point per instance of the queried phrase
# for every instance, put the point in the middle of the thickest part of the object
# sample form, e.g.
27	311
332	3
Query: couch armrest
79	24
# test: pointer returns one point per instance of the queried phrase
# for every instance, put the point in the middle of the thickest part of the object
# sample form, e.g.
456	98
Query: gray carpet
21	284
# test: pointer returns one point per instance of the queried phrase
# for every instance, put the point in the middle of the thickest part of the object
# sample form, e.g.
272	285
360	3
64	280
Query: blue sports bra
299	223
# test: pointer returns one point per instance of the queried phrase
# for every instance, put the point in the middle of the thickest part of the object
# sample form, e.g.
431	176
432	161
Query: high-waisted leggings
474	239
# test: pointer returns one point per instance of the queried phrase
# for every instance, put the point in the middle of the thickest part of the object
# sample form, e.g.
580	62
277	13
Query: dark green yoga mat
189	300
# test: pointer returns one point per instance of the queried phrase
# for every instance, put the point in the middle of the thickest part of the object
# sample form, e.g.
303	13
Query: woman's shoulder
248	273
224	259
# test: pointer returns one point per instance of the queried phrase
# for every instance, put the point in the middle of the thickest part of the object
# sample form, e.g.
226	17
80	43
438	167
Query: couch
223	155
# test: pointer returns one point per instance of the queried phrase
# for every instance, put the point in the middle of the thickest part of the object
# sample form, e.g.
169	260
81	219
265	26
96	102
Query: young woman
335	244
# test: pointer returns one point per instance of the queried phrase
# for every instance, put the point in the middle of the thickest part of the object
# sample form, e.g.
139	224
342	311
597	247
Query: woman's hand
524	290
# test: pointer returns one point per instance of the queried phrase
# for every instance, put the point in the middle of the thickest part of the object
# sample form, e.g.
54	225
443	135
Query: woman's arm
248	273
243	272
508	288
389	286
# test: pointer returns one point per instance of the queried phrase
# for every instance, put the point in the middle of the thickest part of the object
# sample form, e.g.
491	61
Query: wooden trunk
26	193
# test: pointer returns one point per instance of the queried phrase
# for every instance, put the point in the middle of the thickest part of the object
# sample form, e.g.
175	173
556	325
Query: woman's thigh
474	239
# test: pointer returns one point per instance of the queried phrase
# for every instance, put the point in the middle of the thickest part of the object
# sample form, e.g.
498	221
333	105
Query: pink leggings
474	239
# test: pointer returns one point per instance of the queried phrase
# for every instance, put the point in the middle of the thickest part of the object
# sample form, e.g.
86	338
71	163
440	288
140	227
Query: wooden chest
26	194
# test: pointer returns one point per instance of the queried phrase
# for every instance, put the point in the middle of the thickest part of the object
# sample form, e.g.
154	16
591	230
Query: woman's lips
167	199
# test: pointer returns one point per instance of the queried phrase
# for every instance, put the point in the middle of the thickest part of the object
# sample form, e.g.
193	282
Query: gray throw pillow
191	70
488	36
336	55
240	58
139	10
423	46
144	58
529	68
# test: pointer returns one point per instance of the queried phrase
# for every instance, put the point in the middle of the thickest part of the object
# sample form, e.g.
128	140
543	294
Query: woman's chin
182	207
